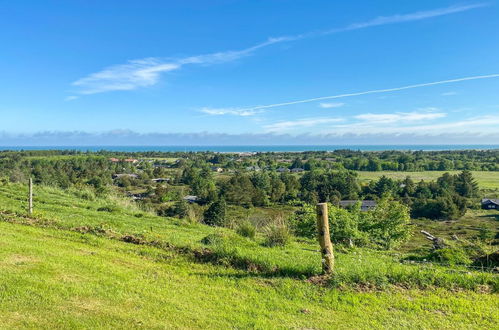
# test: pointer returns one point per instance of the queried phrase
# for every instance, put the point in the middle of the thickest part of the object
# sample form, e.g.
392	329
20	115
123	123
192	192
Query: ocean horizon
259	148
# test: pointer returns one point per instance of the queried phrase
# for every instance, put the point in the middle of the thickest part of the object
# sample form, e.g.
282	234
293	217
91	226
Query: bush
180	209
450	256
215	214
215	239
387	224
246	229
276	235
344	226
303	222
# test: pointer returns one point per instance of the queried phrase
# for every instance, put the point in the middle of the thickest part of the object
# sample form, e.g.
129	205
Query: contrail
375	91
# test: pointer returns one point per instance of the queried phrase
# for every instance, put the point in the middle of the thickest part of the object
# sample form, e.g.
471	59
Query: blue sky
273	71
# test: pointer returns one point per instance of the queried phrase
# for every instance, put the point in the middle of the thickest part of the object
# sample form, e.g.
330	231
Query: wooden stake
30	198
325	239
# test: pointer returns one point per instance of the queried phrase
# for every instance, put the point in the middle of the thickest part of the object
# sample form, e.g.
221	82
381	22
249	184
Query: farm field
485	179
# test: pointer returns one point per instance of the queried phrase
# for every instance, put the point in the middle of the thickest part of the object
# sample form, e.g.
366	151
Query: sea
260	148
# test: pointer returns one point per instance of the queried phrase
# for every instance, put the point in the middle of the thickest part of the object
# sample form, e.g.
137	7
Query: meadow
486	179
101	262
61	279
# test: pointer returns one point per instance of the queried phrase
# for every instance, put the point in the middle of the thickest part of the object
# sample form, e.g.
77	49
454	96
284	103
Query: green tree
215	214
466	185
387	224
180	209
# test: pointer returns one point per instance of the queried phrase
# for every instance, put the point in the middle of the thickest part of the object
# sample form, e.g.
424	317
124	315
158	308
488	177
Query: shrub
246	229
303	222
180	209
450	256
276	235
485	234
387	224
83	192
215	239
215	214
344	226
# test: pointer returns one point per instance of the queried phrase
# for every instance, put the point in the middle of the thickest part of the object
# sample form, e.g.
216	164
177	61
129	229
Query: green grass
485	179
60	279
58	209
466	228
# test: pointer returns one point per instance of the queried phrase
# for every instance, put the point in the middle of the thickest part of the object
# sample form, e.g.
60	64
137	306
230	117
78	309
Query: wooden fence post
325	238
30	197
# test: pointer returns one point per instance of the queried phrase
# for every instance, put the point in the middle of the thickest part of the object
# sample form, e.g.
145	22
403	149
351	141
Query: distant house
160	180
253	168
330	159
217	169
122	175
191	198
297	170
282	169
366	205
114	160
490	204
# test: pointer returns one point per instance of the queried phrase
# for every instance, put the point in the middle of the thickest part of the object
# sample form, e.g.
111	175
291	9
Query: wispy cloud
124	77
146	72
229	111
300	123
399	117
331	105
449	93
375	121
481	125
420	15
374	91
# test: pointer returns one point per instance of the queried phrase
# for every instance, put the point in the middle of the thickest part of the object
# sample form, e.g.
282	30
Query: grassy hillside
113	218
59	279
71	260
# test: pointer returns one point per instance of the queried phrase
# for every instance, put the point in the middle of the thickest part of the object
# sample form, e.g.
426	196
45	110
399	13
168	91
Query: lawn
52	278
485	179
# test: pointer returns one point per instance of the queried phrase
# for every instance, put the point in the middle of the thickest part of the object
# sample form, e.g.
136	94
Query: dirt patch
319	279
132	239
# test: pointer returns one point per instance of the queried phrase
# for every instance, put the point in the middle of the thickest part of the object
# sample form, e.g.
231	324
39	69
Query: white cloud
229	111
399	117
449	93
476	125
300	123
331	105
134	74
147	72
